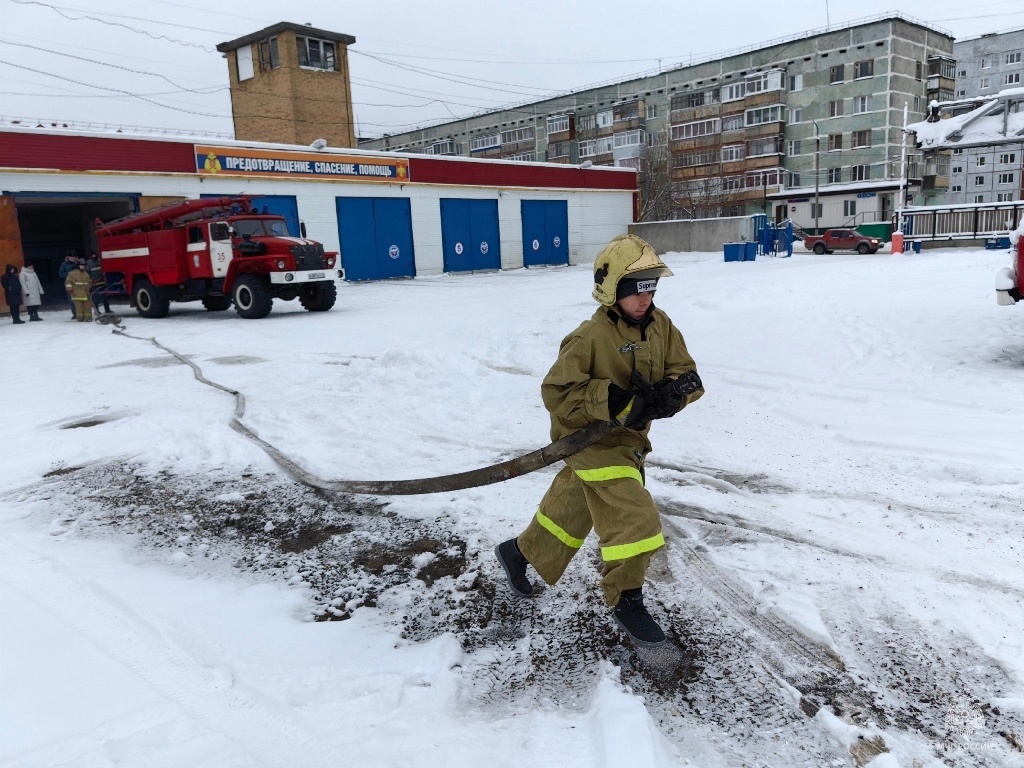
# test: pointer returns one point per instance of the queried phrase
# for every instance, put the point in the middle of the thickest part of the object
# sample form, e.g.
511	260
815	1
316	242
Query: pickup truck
841	240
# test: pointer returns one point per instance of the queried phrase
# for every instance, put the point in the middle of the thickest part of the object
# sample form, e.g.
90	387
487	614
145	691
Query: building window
651	111
918	70
318	54
980	160
835	141
1013	78
691	159
734	92
588	148
794	147
628	111
863	68
796	115
604	145
984	82
986	62
817	211
733	152
962	73
917	103
835	175
765	146
849	207
862	138
587	122
837	73
763	115
835	108
516	135
958	151
695	129
1010	157
1013	58
1004	197
605	119
628	139
860	104
1006	178
979	198
732	183
523	157
860	172
793	180
268	54
796	83
558	149
960	94
480	143
979	181
558	124
956	188
945	94
958	169
765	81
732	123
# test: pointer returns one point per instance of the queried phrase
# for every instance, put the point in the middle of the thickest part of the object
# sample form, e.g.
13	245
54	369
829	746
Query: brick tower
290	85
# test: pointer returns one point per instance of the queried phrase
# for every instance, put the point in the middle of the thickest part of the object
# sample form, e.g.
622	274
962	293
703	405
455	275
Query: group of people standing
83	280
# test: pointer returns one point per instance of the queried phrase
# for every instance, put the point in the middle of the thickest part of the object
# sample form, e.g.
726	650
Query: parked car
841	240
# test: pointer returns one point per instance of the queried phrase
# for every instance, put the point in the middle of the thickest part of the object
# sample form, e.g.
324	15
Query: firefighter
604	372
78	285
99	283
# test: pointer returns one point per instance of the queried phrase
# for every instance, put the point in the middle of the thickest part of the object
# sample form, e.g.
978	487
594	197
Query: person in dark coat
99	282
12	292
69	265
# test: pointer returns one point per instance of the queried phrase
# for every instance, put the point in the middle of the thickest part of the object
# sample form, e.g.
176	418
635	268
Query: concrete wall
694	234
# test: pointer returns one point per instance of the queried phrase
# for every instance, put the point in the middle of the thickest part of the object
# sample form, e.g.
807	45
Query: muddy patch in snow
735	682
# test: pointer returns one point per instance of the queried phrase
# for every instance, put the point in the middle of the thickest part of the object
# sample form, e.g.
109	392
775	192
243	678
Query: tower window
268	54
316	54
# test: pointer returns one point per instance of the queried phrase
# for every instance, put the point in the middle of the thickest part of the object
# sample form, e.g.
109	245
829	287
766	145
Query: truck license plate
316	275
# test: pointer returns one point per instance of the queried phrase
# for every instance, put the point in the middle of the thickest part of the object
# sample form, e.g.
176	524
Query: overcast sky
154	64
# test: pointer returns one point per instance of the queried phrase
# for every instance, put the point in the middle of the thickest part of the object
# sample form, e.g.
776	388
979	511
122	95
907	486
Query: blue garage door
279	205
376	237
469	235
545	232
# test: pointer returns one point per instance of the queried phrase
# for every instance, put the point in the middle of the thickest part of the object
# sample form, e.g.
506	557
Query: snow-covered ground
844	512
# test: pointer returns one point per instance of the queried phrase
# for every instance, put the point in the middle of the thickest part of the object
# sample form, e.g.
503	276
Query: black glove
627	407
665	398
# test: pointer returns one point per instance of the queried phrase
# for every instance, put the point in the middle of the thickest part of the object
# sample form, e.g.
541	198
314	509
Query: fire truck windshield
260	227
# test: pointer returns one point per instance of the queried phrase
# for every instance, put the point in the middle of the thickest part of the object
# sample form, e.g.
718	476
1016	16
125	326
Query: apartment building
979	157
807	128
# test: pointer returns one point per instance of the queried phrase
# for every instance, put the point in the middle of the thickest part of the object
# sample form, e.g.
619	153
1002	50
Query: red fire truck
218	251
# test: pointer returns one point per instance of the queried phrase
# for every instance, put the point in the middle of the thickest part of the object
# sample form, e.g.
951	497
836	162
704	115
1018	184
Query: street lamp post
817	153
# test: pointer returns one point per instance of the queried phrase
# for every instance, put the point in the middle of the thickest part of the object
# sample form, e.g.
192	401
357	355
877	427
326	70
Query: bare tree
655	183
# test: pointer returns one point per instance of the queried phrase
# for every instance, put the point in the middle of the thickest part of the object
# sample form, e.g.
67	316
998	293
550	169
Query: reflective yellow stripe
559	533
609	473
620	417
622	551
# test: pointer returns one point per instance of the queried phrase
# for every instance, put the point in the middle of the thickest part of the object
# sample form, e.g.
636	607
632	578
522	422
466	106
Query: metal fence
962	222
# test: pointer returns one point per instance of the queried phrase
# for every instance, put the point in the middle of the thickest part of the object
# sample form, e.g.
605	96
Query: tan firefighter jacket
78	284
603	350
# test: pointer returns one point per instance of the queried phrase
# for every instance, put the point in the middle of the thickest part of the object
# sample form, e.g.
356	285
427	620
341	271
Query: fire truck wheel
217	303
252	297
318	297
148	302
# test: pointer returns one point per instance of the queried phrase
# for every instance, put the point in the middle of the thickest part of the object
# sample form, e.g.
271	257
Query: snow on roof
991	123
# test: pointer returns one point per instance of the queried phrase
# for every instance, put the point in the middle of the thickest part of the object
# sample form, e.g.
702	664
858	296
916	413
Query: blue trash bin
733	251
917	246
749	251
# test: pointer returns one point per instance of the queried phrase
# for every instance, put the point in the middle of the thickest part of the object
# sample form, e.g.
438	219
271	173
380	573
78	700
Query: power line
60	11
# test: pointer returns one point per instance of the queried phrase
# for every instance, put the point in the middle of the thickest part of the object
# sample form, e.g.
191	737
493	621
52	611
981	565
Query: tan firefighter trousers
612	500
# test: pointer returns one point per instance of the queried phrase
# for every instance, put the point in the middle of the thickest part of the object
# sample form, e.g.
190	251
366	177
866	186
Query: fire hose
495	473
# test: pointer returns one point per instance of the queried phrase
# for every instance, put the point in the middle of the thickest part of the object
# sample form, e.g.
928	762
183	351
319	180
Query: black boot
514	563
632	616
